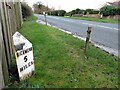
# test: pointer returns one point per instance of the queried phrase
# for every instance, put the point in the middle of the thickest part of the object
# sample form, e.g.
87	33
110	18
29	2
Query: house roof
116	3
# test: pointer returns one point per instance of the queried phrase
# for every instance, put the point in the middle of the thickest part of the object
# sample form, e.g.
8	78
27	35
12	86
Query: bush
95	12
61	12
54	13
117	11
68	14
110	10
26	10
81	12
90	11
57	13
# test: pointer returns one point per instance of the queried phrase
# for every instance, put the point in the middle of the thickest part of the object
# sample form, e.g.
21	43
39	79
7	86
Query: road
104	34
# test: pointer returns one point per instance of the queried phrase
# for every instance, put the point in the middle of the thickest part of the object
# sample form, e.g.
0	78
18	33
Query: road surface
104	34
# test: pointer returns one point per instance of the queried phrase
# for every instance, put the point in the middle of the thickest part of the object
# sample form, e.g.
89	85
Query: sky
69	5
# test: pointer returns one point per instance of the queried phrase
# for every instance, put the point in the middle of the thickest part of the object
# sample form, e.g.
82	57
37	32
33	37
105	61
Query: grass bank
95	19
60	61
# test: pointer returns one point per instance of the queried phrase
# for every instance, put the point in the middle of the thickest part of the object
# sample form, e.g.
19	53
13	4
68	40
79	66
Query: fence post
10	19
18	14
87	38
1	71
4	75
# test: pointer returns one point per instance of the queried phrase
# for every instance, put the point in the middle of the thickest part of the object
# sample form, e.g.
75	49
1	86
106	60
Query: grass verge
60	61
95	19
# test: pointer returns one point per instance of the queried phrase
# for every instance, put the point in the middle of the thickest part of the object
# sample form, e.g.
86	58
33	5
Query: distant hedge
82	12
57	12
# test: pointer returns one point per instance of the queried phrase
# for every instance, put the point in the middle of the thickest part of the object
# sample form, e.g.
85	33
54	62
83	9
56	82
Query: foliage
39	4
91	11
54	13
110	10
96	12
61	12
78	11
39	8
81	11
68	14
107	10
57	12
117	11
26	10
73	12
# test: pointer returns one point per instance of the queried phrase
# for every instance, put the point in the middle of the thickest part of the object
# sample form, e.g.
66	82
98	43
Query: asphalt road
104	34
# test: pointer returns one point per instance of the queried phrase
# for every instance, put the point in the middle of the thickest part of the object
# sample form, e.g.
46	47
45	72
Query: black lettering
23	52
21	69
17	54
25	59
29	64
26	66
30	49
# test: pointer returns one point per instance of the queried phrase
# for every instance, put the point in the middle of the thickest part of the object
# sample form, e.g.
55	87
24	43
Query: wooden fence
10	21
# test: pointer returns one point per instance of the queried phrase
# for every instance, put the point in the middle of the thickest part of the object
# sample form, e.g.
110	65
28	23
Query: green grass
95	19
60	61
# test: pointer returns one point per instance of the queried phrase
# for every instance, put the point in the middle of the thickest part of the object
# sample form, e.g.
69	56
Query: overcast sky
69	5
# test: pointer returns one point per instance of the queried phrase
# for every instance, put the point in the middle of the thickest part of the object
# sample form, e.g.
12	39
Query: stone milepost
24	56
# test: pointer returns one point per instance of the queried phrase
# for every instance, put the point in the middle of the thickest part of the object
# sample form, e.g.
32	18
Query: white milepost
24	56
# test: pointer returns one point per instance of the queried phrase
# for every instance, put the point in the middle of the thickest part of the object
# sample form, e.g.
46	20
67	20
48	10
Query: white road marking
101	26
62	19
55	18
69	20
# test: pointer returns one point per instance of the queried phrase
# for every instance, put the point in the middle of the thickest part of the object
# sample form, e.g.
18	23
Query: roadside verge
60	61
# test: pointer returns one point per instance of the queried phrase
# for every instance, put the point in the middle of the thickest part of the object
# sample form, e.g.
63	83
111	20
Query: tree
90	11
40	8
39	4
73	12
54	13
68	14
117	11
57	12
96	12
108	10
26	10
77	11
61	12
